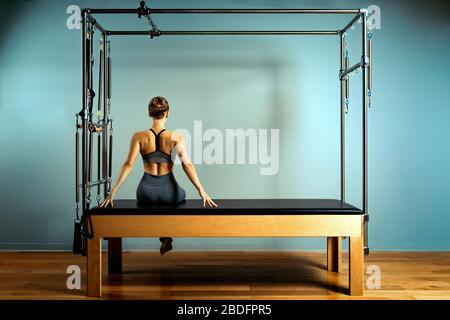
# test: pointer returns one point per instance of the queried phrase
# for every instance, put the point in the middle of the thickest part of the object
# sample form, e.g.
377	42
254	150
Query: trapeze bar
351	23
226	11
222	33
352	69
96	183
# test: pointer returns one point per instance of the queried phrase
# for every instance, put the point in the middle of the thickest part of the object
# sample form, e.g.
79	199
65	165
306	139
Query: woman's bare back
147	142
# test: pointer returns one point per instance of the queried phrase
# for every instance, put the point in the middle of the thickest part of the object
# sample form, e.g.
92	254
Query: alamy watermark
234	146
373	281
74	280
74	19
374	17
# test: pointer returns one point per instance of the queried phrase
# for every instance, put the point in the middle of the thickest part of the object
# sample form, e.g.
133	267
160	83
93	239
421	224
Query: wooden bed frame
334	226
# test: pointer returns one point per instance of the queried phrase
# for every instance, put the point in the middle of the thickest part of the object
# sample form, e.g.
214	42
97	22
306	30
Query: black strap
157	137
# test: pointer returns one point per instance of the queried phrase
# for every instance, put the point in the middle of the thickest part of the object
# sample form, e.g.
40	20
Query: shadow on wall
437	11
10	15
273	68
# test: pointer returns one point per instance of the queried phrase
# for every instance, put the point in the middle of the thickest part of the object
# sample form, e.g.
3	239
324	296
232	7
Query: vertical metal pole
105	117
84	116
369	49
347	80
90	151
109	110
342	112
91	98
99	108
364	129
77	166
110	156
109	75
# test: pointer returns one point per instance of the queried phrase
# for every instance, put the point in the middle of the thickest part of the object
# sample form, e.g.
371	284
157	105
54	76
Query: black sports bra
157	156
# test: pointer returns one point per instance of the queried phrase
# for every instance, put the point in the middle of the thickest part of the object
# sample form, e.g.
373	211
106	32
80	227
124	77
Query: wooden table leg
334	254
114	255
356	264
94	267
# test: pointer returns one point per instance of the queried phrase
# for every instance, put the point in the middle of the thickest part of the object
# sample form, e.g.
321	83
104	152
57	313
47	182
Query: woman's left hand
207	200
108	200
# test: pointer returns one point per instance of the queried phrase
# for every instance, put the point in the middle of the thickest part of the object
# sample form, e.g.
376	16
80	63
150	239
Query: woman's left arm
127	167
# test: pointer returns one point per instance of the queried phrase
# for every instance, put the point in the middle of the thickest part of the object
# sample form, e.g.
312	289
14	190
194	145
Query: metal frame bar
91	97
96	23
98	182
107	111
105	114
224	33
369	49
347	72
342	113
94	125
84	116
226	11
365	65
351	23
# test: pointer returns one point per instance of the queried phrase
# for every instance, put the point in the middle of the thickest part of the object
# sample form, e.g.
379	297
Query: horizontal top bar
226	11
223	33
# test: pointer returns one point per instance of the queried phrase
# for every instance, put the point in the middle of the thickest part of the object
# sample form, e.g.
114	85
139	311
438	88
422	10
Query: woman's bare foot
166	245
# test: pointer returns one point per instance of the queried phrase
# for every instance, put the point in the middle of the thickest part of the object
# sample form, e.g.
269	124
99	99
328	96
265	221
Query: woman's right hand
207	200
108	200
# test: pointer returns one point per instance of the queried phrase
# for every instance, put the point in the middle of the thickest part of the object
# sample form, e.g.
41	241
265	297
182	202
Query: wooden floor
226	275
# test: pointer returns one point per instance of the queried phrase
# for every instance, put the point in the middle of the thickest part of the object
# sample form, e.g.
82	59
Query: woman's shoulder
175	136
139	134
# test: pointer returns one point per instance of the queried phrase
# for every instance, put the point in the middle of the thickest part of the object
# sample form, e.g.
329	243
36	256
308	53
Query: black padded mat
233	206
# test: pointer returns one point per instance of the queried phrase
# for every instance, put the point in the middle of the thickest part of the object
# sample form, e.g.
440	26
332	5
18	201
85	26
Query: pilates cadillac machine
334	219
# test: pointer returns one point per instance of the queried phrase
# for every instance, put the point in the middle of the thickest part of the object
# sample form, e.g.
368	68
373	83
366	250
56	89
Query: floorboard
226	275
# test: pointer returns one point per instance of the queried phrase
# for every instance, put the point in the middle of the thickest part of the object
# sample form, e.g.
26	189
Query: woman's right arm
190	171
127	167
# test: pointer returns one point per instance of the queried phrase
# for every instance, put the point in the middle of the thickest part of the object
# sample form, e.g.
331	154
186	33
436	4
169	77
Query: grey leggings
159	189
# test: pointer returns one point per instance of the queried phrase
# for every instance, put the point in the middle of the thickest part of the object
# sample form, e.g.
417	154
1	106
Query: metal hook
77	209
111	131
88	200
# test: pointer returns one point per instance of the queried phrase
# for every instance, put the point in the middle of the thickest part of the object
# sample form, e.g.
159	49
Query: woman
156	145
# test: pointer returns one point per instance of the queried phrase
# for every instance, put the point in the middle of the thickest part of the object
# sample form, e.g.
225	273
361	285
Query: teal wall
256	82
